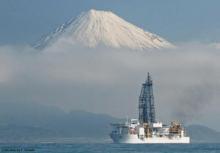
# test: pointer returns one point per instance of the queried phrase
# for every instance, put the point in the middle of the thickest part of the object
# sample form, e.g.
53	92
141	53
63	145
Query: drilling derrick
146	102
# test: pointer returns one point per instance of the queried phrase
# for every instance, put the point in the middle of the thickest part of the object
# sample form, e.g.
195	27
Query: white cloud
109	81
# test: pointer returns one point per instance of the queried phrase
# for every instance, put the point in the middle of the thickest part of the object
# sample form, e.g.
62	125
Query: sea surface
109	148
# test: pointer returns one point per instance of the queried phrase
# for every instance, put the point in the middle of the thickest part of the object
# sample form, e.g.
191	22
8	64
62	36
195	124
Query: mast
146	102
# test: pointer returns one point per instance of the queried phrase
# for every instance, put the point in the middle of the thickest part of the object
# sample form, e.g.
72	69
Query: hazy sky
109	81
24	21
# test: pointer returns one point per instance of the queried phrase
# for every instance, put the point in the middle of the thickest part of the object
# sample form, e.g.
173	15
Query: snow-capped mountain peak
95	28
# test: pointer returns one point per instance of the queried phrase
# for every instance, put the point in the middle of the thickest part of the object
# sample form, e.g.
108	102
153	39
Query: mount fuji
94	28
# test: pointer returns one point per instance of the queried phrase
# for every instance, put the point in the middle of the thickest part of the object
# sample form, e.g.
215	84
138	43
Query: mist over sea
111	148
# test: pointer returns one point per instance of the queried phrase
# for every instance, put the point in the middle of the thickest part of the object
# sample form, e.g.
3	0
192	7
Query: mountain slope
34	122
95	28
200	134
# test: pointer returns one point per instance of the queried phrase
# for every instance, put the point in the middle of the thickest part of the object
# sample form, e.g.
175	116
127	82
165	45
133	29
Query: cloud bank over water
103	80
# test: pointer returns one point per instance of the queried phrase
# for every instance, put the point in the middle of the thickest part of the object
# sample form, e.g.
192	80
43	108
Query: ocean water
109	148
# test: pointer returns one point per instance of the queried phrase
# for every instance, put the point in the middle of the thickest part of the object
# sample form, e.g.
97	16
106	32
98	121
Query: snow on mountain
95	28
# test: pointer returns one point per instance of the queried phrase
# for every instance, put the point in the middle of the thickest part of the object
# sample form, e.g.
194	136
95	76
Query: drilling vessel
146	129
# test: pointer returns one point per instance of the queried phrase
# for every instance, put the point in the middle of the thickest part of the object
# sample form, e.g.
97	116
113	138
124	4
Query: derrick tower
146	102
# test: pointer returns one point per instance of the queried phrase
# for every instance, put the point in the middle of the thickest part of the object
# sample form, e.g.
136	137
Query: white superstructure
131	132
146	129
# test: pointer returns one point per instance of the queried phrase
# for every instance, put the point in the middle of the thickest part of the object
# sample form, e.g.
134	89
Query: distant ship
146	129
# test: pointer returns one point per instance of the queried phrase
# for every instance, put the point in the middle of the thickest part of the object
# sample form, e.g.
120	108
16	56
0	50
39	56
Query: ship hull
133	139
